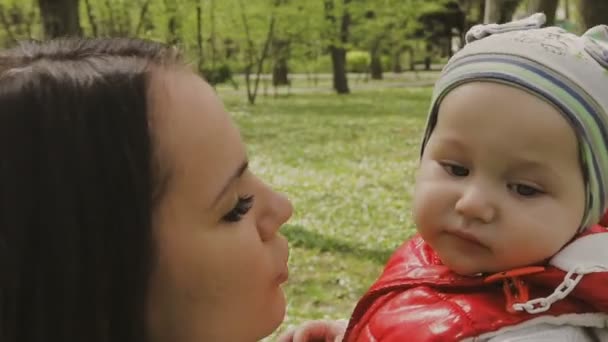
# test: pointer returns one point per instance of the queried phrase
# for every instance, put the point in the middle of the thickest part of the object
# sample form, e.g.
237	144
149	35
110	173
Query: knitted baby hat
568	71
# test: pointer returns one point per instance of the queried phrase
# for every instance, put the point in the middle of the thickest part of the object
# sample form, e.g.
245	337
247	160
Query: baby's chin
465	269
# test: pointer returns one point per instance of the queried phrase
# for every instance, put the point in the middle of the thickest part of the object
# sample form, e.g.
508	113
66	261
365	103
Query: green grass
347	164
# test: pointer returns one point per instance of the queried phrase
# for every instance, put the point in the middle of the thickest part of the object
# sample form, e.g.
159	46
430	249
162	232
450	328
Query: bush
322	64
357	61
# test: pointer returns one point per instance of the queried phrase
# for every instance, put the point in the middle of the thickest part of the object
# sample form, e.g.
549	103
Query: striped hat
569	71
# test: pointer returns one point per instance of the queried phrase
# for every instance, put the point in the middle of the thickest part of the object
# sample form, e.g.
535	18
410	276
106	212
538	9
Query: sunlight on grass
347	163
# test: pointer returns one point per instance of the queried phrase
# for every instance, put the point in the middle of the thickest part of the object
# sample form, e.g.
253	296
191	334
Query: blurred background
226	39
331	98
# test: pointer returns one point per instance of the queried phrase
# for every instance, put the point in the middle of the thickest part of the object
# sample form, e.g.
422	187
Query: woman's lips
284	269
283	276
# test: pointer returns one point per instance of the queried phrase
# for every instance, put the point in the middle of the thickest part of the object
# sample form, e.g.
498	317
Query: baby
509	199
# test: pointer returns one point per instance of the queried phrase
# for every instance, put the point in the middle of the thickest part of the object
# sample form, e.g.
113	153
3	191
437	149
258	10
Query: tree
280	53
91	17
594	12
119	18
548	7
173	23
255	59
373	23
499	11
386	28
441	24
280	50
473	9
337	47
60	18
17	21
199	35
372	29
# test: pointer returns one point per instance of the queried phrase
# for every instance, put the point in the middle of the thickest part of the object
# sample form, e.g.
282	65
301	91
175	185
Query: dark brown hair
78	186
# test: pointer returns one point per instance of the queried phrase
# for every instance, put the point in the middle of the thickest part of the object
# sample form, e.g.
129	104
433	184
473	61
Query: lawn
347	163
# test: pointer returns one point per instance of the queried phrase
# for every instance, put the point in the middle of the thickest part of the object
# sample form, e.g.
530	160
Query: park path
302	86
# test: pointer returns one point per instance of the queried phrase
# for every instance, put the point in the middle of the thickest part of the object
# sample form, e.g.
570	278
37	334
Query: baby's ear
596	44
480	31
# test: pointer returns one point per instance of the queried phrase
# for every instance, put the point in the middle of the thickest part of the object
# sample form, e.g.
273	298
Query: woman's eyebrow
238	173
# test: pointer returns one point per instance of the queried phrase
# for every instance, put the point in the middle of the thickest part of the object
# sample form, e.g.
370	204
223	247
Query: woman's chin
276	313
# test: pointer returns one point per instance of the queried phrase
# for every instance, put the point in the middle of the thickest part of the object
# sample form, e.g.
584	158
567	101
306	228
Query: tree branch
142	16
91	17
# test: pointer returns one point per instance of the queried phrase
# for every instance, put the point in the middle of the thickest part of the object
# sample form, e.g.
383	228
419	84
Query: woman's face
220	258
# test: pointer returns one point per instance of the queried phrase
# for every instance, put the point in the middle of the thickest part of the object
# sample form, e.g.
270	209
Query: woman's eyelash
241	208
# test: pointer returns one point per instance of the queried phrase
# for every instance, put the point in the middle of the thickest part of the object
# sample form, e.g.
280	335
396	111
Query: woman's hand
316	331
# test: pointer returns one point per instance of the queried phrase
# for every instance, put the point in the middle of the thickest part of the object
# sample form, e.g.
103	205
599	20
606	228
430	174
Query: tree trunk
280	73
252	57
499	11
338	52
280	69
199	36
338	59
60	18
412	59
427	58
91	17
548	7
375	65
173	23
143	12
481	10
594	12
212	38
396	65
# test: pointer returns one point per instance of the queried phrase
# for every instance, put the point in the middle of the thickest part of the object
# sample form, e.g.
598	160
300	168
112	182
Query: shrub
357	61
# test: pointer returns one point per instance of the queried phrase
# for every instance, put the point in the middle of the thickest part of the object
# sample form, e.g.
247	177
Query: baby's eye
455	169
241	208
525	190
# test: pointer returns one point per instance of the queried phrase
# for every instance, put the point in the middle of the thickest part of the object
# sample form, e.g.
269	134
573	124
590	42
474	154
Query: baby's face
500	184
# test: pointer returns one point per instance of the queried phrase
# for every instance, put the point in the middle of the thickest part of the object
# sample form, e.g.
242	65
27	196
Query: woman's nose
475	204
277	210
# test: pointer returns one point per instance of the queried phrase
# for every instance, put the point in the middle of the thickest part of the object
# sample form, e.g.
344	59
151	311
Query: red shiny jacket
419	299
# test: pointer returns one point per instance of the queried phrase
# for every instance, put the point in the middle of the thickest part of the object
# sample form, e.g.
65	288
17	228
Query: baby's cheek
425	214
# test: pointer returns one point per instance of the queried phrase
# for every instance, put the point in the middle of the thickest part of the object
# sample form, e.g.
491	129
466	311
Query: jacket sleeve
414	315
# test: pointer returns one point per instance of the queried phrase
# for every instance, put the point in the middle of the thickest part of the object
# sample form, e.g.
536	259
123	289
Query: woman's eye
455	170
241	208
525	190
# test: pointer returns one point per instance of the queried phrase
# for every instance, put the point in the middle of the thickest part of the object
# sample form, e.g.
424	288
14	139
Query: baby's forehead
499	120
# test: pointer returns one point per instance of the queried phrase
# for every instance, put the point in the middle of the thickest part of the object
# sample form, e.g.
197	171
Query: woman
127	211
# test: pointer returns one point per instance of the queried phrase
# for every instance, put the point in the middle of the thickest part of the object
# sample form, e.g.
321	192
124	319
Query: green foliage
302	24
357	61
347	164
19	20
320	64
